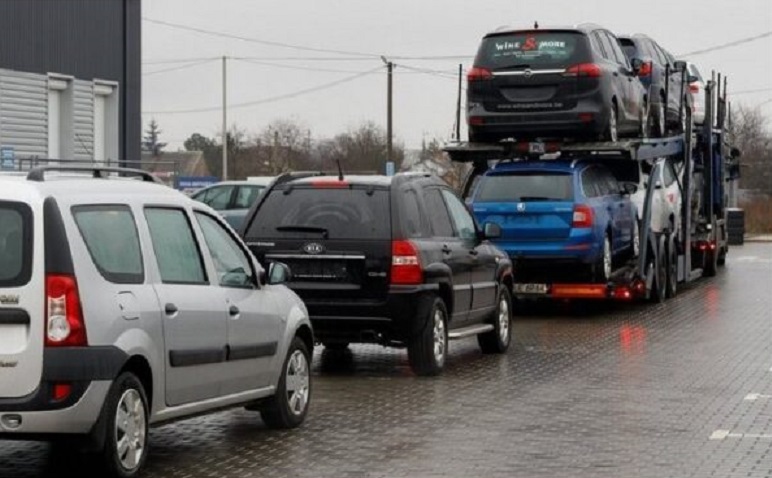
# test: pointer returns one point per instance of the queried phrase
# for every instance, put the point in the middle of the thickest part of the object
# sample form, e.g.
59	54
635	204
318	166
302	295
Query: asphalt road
682	389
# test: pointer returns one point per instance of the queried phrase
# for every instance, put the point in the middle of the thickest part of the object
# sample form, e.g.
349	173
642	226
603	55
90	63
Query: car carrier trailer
666	259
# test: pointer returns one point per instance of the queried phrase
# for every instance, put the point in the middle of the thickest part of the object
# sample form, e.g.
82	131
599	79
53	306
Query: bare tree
750	134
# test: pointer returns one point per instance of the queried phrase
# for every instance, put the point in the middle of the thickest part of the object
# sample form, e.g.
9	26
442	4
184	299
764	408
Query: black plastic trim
57	247
14	317
246	352
188	358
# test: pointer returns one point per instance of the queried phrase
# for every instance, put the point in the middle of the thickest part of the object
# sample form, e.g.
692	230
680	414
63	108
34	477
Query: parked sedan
232	199
553	83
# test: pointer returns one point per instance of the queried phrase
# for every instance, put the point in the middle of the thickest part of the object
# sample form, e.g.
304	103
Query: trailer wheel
722	256
711	263
672	267
658	121
611	132
656	268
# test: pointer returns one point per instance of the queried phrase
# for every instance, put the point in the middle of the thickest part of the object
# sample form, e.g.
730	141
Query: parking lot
680	389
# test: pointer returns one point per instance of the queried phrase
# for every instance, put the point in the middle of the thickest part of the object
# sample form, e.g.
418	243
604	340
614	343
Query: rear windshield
629	48
526	186
532	50
323	214
15	244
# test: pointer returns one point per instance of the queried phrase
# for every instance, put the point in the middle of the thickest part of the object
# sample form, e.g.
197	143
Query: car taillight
64	319
694	88
405	264
646	69
478	74
329	184
582	216
584	70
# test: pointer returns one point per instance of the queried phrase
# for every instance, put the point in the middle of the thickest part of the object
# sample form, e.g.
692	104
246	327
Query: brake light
405	264
582	216
478	74
584	70
646	69
329	184
64	319
694	88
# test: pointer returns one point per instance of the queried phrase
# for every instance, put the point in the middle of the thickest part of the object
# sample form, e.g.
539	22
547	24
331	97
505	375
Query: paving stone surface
682	389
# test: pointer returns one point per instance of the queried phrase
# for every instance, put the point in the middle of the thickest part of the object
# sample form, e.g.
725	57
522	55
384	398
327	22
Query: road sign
390	168
194	183
7	158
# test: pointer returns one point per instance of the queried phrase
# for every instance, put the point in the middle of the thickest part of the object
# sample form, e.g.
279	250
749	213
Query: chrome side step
469	331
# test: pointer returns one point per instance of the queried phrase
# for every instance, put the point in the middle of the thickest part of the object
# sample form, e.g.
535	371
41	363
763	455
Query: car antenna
536	25
340	169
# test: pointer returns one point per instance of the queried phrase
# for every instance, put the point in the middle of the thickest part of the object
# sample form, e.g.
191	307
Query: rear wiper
324	232
512	67
537	198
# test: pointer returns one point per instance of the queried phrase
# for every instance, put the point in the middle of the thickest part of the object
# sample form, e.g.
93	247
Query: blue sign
390	168
186	183
7	158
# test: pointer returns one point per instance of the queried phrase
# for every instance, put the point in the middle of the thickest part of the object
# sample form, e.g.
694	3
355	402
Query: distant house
170	165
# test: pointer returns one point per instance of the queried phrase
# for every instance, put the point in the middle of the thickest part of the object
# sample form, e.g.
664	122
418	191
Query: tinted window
532	50
232	264
176	249
628	47
526	186
439	217
607	48
15	244
110	234
596	45
610	184
660	55
413	222
218	197
617	49
462	220
246	196
350	213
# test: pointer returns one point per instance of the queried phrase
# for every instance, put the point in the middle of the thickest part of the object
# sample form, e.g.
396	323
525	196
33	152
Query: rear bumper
580	247
401	315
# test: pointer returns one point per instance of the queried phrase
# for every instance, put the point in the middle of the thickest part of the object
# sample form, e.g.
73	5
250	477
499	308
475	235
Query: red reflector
64	319
478	74
623	293
405	264
61	391
586	117
476	120
329	184
582	216
579	291
584	70
578	247
645	70
694	88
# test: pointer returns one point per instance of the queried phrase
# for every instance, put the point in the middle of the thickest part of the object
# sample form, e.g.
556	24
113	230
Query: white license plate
537	148
540	289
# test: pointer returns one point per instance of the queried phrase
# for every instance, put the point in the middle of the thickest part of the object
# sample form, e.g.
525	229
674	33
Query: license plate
537	148
540	289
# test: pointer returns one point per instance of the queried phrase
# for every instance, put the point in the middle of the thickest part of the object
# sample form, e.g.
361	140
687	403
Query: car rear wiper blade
297	228
538	198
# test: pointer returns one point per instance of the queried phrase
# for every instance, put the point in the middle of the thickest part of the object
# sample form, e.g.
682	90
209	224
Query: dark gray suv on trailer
397	261
555	83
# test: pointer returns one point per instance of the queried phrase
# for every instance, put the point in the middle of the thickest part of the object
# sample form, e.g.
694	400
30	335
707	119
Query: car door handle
171	309
446	249
234	311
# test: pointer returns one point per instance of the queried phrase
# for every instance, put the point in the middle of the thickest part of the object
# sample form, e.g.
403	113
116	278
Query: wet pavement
682	389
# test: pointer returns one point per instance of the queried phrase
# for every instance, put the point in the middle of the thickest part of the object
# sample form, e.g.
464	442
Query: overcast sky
424	104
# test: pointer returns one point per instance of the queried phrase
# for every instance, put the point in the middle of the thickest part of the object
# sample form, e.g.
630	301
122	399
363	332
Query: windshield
324	214
15	250
526	186
532	50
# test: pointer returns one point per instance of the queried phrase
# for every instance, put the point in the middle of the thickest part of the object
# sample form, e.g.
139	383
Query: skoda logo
521	207
313	248
527	73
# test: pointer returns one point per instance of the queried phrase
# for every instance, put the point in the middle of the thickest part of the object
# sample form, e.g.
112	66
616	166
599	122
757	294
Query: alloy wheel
297	382
504	321
440	338
130	429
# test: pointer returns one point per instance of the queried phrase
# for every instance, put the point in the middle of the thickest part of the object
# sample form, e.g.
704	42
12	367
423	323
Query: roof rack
38	174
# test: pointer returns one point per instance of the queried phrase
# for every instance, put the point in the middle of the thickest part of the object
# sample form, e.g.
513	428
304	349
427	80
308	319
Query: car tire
611	130
635	247
721	261
658	262
427	352
672	267
604	267
289	406
711	263
125	416
497	340
643	119
336	346
475	136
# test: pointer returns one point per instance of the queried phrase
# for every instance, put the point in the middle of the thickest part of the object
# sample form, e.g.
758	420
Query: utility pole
458	103
224	118
389	113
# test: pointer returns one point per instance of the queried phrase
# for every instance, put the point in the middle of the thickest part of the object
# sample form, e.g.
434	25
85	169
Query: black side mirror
637	64
629	188
679	65
491	230
278	273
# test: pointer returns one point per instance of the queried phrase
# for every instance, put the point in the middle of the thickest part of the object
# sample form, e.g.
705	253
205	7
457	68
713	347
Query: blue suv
560	218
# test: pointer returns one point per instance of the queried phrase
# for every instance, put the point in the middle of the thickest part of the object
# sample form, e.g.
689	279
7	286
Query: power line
293	67
172	61
745	92
175	68
256	40
731	44
267	100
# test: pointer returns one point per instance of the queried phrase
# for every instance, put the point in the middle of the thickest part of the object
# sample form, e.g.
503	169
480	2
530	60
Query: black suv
397	261
554	83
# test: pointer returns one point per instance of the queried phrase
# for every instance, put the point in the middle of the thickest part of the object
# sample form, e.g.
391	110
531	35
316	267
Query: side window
246	196
412	220
661	57
219	198
461	218
439	218
620	55
232	263
111	238
590	184
604	49
595	42
175	246
610	182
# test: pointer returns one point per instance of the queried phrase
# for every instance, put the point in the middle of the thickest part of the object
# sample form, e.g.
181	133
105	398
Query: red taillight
405	264
64	319
694	88
584	70
329	184
582	216
61	391
646	69
478	74
476	120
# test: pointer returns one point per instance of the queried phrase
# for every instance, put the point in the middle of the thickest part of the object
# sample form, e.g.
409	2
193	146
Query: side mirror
491	230
637	64
278	273
679	65
629	189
